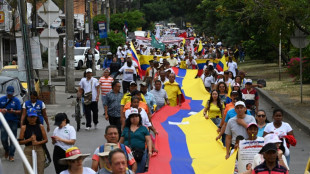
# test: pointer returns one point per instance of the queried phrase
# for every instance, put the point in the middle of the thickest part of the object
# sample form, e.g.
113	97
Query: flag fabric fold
222	65
134	56
156	44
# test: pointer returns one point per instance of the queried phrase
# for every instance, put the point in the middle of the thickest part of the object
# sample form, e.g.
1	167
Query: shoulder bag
88	95
136	152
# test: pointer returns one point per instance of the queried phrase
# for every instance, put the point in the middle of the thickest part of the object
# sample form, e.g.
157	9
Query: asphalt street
88	141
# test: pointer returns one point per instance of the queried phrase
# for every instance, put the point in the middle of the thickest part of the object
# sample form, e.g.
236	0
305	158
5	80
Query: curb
296	119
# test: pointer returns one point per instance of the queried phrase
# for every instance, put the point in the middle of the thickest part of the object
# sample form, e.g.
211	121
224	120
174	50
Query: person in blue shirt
39	106
107	61
11	109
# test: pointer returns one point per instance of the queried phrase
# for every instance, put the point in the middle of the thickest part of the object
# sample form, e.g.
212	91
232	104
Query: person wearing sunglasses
262	121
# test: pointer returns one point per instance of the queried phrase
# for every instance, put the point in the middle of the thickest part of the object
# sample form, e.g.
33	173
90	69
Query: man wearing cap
90	84
11	109
251	97
129	74
160	95
150	74
112	137
173	90
149	97
237	126
107	61
271	139
271	164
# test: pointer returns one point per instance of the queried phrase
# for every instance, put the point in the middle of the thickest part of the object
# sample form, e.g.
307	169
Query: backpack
101	149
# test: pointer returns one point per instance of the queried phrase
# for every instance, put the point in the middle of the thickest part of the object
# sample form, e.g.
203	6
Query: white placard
247	150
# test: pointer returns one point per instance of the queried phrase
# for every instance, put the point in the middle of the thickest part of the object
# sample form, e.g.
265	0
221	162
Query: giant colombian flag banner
186	141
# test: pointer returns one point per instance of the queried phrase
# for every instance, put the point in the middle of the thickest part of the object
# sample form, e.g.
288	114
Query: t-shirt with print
68	133
128	72
207	80
234	129
90	85
281	131
86	170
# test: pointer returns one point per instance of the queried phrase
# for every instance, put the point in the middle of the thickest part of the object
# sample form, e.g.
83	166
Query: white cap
210	63
133	111
248	81
89	70
240	103
271	138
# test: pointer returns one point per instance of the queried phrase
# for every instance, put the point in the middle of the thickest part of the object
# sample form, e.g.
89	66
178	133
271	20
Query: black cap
59	118
268	147
134	92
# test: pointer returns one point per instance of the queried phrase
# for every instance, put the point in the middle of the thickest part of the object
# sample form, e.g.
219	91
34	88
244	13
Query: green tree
134	20
115	40
97	19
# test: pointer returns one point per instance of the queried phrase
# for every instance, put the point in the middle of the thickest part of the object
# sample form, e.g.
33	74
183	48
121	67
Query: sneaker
87	128
6	155
11	159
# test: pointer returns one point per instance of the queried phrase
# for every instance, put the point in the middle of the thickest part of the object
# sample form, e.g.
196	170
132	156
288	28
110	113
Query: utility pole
91	36
108	15
60	55
26	43
70	79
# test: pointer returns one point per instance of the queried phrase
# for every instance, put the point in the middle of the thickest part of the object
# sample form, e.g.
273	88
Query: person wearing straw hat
74	159
104	161
33	136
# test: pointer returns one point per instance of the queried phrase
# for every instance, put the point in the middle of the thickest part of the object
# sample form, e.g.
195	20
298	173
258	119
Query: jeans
288	158
141	164
103	98
93	107
5	138
216	121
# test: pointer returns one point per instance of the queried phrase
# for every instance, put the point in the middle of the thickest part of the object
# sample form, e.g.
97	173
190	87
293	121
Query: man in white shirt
191	63
90	84
232	66
129	74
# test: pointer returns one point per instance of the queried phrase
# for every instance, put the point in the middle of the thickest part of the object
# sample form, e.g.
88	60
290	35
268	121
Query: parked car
19	91
79	57
12	71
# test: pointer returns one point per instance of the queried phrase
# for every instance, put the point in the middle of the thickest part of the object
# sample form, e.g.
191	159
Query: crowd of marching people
129	100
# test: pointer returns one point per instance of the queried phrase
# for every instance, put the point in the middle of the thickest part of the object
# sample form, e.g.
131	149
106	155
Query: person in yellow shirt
214	108
173	91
